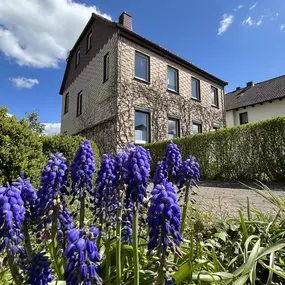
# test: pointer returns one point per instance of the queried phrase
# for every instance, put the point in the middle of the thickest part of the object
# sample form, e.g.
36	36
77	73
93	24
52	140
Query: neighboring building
255	102
119	87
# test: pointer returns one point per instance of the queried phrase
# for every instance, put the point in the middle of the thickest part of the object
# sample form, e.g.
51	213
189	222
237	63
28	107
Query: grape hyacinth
169	167
106	193
12	215
189	171
39	270
82	171
82	257
53	185
164	220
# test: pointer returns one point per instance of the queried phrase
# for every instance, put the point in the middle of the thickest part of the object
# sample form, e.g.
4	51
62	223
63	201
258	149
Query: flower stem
82	211
14	271
161	273
119	237
108	263
135	245
185	207
28	245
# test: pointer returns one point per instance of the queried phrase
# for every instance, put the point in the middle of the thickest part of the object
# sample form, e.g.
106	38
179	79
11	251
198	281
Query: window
215	128
173	128
77	57
243	118
66	103
141	127
106	67
195	88
172	75
79	104
141	66
196	128
89	41
214	96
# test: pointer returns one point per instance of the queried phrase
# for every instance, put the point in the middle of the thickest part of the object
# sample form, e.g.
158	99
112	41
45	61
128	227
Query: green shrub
251	151
68	146
20	149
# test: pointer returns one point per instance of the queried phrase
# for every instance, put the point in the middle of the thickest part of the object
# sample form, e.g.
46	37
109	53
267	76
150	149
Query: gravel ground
227	198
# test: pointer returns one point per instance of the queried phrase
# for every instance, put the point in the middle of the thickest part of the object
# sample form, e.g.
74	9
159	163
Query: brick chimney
250	84
126	20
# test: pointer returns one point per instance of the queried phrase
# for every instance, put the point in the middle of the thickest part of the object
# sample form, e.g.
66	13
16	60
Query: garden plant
112	226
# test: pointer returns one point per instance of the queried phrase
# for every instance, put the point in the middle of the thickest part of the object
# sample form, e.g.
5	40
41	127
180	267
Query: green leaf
57	283
272	248
271	264
252	258
242	280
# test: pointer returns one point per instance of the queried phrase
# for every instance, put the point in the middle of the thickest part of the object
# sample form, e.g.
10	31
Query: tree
34	124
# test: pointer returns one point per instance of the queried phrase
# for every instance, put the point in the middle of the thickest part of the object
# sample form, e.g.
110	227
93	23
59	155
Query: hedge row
22	149
251	151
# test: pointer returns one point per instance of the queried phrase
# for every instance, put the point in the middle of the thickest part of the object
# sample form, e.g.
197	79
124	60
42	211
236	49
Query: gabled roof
261	92
123	31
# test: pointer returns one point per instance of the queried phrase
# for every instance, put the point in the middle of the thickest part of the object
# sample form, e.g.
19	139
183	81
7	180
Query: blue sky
238	41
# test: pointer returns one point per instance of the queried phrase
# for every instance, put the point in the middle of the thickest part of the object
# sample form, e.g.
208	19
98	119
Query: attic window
89	39
77	57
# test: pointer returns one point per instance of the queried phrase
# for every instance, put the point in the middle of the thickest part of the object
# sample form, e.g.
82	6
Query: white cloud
51	128
225	23
260	21
22	82
40	33
282	27
248	21
253	6
238	7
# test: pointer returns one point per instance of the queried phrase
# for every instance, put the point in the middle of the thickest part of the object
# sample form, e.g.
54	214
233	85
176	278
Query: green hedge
251	151
68	146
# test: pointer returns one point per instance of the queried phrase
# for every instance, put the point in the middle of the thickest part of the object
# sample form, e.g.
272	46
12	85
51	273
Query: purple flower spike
82	169
81	254
164	219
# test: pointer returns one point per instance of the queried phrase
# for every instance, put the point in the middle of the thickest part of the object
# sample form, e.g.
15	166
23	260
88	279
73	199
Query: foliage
67	145
251	151
165	248
20	149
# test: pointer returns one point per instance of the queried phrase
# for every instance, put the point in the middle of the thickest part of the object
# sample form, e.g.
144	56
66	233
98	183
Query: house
119	87
255	102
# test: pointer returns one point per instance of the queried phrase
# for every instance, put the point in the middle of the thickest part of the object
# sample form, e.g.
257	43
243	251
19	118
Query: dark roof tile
261	92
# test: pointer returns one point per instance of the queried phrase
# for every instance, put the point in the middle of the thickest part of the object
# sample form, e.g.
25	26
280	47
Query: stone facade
108	108
161	104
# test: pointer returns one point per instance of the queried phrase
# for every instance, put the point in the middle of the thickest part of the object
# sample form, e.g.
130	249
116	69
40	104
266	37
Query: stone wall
154	97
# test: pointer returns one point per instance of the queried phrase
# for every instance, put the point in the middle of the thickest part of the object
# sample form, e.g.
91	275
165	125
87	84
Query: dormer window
89	38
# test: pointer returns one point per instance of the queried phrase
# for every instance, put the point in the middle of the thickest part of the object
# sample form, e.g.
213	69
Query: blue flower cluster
164	218
137	168
39	270
12	214
169	167
106	193
53	185
27	193
82	170
82	257
189	171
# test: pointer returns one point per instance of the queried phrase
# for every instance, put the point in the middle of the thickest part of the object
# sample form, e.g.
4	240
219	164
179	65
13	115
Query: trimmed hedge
251	151
68	146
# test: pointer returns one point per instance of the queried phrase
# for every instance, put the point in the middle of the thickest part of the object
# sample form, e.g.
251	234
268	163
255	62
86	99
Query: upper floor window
106	67
173	128
141	66
243	118
195	83
196	128
79	104
66	103
172	75
89	41
142	130
214	96
77	60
